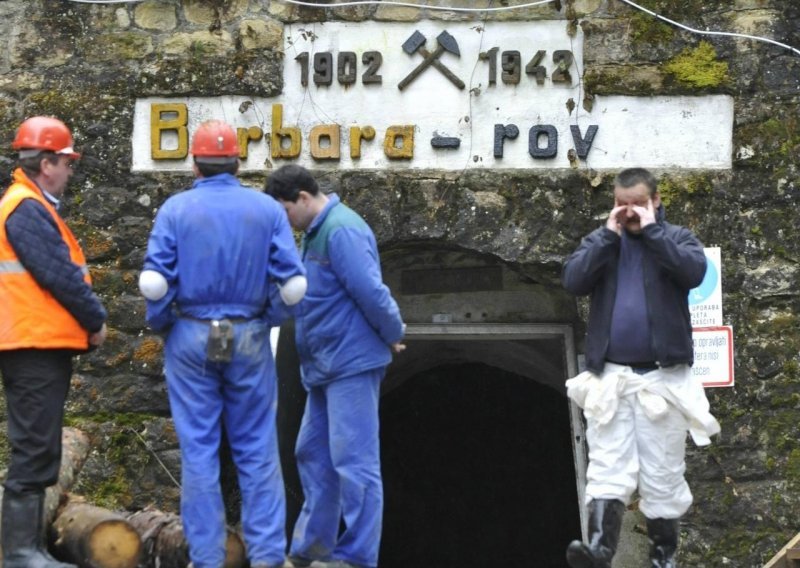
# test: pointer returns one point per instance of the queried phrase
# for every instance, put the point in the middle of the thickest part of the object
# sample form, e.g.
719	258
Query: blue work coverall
221	247
345	326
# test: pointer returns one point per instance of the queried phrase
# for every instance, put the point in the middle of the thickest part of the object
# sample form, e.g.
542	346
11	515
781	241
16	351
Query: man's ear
656	200
45	165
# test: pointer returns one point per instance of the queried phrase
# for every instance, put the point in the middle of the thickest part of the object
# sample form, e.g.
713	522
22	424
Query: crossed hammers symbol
417	43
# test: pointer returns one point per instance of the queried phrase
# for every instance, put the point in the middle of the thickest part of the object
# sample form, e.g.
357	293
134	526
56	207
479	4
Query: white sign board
501	95
705	301
713	355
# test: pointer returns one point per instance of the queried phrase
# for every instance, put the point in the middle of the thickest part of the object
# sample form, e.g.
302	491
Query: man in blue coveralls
347	327
214	254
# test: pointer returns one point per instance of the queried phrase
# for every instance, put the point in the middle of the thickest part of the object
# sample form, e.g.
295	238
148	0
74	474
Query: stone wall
87	64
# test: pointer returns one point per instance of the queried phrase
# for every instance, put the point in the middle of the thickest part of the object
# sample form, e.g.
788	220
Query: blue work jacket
222	248
348	318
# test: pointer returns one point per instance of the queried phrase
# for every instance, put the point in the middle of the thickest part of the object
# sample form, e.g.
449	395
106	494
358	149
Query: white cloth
655	391
636	433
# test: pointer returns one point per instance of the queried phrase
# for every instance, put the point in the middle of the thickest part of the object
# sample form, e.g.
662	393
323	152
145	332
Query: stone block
397	14
261	34
352	13
282	11
155	15
123	18
198	44
118	46
207	13
585	7
533	13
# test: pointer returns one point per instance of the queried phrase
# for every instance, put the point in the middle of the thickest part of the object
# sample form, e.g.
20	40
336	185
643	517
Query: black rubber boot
605	521
23	532
663	535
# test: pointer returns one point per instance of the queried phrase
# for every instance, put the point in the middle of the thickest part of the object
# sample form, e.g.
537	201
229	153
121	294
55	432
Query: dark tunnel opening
478	470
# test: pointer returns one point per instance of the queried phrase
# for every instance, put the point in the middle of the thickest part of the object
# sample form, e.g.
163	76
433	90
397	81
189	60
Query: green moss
774	143
122	419
682	10
793	469
782	432
120	450
672	189
118	46
623	80
698	68
645	28
738	543
114	493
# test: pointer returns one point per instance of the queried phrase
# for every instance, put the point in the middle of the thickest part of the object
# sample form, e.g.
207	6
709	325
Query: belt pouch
219	348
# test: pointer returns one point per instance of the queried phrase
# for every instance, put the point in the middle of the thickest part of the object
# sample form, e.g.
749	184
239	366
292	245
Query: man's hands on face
620	215
647	215
616	219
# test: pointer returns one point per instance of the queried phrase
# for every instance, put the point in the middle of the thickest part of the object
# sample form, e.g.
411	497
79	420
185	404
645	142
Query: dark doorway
478	470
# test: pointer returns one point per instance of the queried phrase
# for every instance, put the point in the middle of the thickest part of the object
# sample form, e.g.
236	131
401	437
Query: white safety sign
713	355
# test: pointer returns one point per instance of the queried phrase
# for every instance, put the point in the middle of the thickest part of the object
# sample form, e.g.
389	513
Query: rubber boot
605	521
23	532
663	535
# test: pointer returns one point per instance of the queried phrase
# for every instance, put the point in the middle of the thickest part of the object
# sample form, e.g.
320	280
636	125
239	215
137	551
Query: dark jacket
34	236
674	263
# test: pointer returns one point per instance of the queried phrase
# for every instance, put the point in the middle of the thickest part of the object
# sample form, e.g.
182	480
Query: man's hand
613	223
647	215
398	347
97	338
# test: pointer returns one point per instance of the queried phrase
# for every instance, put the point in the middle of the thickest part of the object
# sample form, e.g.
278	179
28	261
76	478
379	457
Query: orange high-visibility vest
30	317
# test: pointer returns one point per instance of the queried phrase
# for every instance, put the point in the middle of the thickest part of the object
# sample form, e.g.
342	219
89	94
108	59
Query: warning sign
713	355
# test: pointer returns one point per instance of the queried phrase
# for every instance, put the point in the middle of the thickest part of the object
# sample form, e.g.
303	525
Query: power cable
421	6
497	9
703	32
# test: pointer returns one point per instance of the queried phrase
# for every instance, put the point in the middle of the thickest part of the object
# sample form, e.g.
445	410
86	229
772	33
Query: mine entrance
478	448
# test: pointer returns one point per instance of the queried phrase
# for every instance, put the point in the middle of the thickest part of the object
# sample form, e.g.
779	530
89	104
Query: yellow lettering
404	151
159	124
246	135
279	133
329	132
356	136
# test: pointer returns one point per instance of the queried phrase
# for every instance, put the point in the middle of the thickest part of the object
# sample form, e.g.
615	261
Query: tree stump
92	536
165	545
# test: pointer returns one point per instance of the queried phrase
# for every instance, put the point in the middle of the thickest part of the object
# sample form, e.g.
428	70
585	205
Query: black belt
232	320
638	366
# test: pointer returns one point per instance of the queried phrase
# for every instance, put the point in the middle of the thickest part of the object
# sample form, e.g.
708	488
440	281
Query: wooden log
74	451
94	537
165	545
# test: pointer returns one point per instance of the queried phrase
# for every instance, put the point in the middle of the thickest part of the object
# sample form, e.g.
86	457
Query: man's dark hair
635	176
288	181
207	169
32	165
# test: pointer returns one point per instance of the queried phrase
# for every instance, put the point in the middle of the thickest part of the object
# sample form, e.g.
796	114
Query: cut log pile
94	537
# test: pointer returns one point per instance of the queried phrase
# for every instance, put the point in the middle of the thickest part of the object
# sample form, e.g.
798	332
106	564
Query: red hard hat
44	133
214	138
